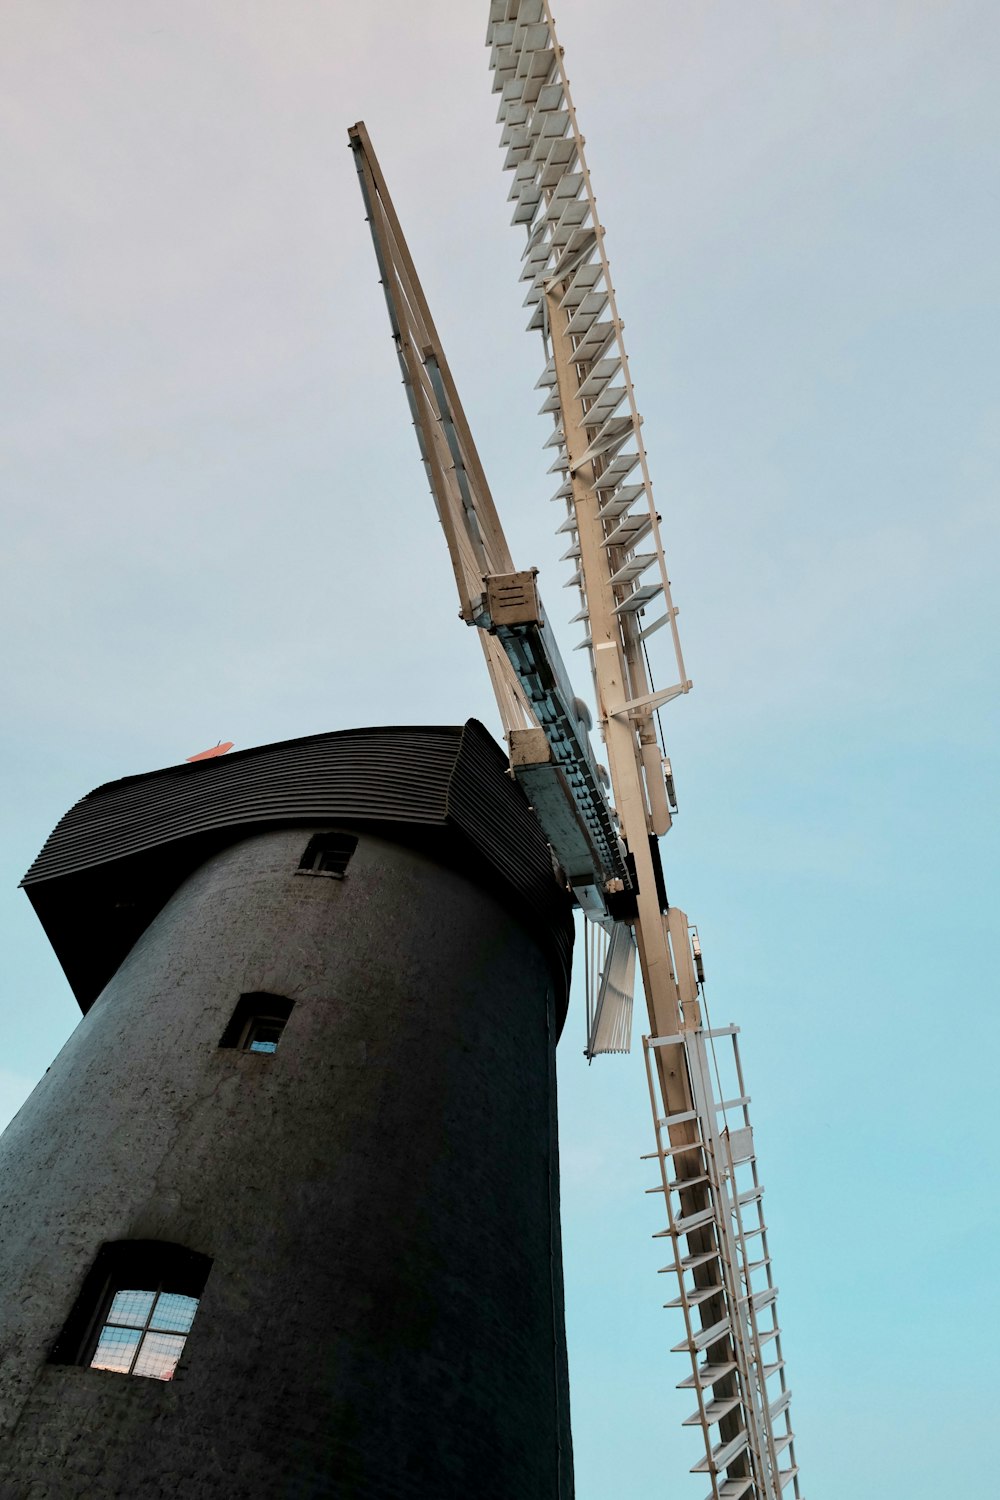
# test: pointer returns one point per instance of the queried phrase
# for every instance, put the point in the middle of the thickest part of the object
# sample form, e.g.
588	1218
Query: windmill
604	825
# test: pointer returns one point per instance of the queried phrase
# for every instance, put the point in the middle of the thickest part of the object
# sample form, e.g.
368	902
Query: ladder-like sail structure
720	1255
588	388
714	1219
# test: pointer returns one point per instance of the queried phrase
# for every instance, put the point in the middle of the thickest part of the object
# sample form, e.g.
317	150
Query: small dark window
135	1310
328	854
263	1033
257	1023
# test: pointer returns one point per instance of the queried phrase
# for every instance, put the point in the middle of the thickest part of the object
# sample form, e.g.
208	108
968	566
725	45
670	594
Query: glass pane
263	1035
131	1308
174	1312
115	1349
158	1356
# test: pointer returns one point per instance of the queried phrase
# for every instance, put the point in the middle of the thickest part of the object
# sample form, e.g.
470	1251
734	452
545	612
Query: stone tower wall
379	1198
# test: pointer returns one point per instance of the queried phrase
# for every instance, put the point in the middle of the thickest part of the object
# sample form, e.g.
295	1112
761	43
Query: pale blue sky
217	526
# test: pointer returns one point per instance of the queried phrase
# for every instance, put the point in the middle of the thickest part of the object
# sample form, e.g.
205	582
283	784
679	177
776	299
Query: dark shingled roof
117	856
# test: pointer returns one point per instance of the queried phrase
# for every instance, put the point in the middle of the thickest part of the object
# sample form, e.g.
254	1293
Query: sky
217	527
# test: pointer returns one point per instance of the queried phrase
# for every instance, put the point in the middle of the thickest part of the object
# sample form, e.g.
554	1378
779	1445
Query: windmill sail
610	1028
607	847
551	754
726	1293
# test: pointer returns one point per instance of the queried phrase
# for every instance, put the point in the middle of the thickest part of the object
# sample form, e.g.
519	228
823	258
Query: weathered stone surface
380	1198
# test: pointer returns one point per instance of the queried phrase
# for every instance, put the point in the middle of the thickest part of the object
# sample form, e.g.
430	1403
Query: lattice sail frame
596	419
609	516
722	1259
619	566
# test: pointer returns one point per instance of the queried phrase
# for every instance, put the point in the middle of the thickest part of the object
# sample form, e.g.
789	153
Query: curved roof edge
113	861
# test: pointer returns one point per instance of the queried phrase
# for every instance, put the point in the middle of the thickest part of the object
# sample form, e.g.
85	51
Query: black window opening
135	1310
257	1023
328	854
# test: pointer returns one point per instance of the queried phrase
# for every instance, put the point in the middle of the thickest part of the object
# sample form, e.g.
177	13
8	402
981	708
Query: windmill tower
297	1164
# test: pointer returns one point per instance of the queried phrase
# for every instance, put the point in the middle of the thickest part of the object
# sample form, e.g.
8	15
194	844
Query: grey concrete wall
383	1317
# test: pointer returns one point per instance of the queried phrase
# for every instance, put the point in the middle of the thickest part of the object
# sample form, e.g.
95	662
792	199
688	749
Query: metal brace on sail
610	1023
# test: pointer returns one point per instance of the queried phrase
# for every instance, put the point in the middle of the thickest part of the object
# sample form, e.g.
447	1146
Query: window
328	854
136	1308
263	1033
257	1023
144	1332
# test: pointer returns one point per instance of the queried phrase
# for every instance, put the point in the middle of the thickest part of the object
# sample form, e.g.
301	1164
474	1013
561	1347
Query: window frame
127	1265
103	1322
315	851
249	1038
253	1008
